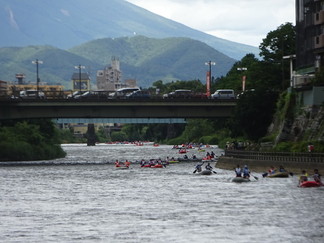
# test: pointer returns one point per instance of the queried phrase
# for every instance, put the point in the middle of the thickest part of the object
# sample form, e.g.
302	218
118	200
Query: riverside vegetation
29	140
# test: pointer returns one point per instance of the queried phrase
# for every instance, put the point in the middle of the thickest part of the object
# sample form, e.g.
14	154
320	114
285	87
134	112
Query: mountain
141	58
67	23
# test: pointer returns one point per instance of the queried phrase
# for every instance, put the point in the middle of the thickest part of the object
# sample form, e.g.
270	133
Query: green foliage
253	114
119	136
279	43
196	128
299	147
319	77
29	140
194	85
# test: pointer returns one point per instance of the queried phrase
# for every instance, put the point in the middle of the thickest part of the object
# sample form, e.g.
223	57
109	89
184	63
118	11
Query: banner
208	84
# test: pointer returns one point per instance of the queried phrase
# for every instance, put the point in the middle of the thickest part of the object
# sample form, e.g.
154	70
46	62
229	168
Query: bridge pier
91	135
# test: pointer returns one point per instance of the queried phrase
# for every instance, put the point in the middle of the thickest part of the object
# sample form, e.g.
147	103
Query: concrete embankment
229	163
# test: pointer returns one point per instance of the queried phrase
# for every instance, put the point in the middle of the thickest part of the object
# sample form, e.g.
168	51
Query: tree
253	114
278	43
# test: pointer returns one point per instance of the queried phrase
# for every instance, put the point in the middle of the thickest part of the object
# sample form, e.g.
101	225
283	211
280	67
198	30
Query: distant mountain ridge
142	58
65	24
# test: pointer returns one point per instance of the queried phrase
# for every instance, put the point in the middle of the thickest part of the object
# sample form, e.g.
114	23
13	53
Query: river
83	198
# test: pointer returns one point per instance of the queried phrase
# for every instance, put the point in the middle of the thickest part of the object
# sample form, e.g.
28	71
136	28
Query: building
109	79
3	88
80	82
310	39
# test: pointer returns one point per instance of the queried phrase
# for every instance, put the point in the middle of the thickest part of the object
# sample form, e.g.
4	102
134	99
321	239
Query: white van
223	94
31	94
121	93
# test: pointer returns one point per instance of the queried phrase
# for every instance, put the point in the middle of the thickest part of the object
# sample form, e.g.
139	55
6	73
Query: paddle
254	177
195	171
214	172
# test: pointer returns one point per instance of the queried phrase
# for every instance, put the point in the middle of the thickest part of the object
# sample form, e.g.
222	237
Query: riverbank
229	163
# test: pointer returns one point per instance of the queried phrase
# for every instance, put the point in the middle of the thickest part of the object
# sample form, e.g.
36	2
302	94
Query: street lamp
37	77
208	76
290	57
79	67
243	77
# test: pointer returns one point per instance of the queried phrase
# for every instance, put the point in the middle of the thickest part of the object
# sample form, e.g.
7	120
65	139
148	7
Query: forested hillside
144	59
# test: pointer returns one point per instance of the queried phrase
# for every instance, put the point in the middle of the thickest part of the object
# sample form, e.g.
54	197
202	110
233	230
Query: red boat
182	151
310	184
157	166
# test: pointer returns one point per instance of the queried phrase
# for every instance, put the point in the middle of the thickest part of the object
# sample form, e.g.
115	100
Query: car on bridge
95	95
223	94
122	93
139	94
31	94
179	93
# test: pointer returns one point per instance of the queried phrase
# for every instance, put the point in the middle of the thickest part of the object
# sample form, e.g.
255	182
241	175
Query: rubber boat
279	175
157	166
206	172
146	166
121	167
310	184
182	151
240	179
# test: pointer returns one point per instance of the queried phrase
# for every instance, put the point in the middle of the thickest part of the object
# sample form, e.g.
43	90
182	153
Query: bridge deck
13	109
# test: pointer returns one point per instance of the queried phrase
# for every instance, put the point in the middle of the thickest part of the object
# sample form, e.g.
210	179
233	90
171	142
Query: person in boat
127	163
238	171
246	172
198	167
271	171
185	157
117	164
212	155
208	167
303	177
282	169
194	157
317	176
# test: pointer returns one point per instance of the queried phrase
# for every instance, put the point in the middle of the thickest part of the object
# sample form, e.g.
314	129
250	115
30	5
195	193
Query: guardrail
277	156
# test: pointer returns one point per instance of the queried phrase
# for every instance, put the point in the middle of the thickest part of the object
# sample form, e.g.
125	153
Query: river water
83	198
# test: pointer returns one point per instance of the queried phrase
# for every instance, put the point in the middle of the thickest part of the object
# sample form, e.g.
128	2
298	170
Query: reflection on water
91	201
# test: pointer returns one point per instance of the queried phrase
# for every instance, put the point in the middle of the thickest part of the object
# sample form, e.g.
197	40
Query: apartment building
310	37
109	79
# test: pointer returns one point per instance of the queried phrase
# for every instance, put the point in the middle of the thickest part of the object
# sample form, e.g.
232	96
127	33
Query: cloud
65	12
12	20
248	20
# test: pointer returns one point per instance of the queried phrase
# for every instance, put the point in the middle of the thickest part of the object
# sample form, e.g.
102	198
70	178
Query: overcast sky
243	21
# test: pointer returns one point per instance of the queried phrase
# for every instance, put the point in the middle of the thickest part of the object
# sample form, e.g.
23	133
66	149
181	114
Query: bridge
152	108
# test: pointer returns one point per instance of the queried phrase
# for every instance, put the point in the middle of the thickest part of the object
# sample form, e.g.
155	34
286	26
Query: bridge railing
277	156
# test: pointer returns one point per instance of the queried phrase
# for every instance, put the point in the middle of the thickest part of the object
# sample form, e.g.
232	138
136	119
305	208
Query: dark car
139	94
180	93
94	95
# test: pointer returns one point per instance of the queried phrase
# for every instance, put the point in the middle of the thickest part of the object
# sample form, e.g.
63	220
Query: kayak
173	161
310	184
240	179
279	175
206	172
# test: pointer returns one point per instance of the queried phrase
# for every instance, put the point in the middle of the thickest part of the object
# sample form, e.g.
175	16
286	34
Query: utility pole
79	67
37	76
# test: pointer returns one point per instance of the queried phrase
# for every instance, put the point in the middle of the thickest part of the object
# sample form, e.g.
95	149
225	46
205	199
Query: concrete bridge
173	108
